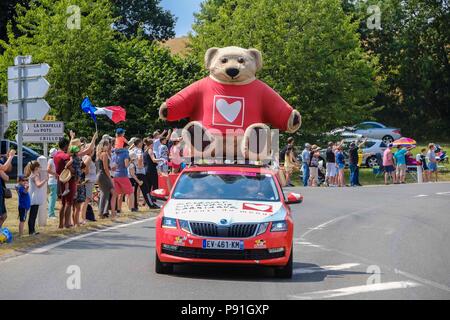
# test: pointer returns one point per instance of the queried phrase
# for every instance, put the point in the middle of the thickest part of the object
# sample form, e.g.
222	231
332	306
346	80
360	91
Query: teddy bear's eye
241	60
224	60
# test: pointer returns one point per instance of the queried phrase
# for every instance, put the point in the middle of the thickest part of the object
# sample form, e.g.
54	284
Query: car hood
234	211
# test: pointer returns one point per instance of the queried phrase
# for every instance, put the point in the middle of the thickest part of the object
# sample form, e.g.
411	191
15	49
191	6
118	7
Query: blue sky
184	11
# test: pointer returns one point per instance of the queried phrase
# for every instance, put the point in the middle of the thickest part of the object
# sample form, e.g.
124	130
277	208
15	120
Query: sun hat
52	152
65	176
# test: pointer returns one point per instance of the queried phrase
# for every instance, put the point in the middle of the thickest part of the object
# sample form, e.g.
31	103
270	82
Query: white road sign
29	71
43	127
42	138
32	88
34	110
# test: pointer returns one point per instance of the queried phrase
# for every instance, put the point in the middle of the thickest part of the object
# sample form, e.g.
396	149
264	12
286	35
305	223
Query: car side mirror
161	194
293	198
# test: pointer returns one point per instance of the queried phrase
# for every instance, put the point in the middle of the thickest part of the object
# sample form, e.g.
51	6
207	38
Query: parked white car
371	129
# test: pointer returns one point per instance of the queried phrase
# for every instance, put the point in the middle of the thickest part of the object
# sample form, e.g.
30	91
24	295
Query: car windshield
226	185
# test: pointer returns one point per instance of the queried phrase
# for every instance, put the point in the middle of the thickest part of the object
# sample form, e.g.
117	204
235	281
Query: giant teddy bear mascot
230	102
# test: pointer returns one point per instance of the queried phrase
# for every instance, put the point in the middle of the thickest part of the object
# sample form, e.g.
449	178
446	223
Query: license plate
223	244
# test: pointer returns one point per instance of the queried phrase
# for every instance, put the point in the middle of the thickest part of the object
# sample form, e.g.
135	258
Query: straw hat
65	176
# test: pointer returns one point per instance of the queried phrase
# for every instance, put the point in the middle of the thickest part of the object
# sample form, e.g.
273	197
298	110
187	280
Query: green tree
145	17
311	51
413	46
7	14
95	60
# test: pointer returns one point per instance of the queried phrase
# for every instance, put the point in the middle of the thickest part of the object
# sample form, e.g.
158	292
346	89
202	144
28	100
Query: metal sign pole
21	118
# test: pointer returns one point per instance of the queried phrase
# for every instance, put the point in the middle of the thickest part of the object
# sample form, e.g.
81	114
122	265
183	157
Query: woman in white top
38	194
52	184
91	178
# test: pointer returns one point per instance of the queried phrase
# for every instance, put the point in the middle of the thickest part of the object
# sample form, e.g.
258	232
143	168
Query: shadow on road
303	272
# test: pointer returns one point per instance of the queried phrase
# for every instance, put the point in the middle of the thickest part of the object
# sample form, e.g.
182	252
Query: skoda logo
223	221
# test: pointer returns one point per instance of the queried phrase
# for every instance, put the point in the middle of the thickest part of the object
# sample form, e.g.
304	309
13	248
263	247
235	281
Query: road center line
355	290
421	196
326	223
442	193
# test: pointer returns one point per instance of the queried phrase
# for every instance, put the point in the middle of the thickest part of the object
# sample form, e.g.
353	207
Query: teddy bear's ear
209	56
256	54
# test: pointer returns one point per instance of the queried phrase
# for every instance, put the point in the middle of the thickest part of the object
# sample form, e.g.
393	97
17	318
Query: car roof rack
240	165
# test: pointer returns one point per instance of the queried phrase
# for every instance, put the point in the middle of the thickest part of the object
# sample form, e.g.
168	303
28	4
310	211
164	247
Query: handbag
7	194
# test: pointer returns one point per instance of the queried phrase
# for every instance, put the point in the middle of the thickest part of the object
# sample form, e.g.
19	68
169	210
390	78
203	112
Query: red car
226	214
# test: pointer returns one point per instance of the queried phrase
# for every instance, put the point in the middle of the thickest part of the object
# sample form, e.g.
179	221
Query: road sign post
26	88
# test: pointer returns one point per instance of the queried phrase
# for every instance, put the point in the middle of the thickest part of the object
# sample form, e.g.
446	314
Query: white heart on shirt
229	111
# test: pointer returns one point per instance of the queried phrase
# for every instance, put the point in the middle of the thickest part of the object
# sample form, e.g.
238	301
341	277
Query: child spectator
120	140
432	165
164	156
24	201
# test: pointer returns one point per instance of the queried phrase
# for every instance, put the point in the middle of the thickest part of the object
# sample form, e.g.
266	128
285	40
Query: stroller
441	155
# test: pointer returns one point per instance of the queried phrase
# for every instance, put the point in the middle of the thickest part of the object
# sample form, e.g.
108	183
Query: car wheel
286	271
372	162
388	139
161	267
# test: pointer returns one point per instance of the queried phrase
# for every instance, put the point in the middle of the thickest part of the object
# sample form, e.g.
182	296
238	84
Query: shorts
401	169
331	169
70	197
389	169
341	166
23	214
122	185
313	173
432	166
89	189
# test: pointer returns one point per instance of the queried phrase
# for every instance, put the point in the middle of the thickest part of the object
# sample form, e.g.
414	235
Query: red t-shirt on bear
226	107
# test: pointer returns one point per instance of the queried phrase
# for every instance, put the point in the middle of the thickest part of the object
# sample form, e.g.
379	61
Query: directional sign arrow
33	88
34	110
29	71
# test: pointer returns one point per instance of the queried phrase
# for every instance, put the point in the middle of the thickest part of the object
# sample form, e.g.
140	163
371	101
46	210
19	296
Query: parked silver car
371	129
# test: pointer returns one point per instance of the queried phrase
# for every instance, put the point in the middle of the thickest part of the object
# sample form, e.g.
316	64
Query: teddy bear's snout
232	72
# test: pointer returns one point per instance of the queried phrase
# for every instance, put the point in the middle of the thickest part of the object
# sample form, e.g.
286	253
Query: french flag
115	113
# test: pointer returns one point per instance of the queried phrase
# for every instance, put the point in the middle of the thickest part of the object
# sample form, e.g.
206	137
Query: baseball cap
22	178
120	130
307	145
53	152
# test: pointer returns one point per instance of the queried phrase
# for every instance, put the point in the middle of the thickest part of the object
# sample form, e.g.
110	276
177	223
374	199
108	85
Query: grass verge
51	232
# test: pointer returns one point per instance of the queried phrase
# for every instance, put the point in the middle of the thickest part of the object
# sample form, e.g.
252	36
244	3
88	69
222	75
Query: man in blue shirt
305	163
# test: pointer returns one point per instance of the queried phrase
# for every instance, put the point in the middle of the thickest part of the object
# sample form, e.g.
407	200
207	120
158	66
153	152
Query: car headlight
278	226
185	226
262	228
169	222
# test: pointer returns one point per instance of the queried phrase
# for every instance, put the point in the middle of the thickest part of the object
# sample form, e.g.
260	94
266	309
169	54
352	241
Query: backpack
90	213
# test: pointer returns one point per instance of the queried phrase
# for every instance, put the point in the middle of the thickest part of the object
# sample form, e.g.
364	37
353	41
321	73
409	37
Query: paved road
360	243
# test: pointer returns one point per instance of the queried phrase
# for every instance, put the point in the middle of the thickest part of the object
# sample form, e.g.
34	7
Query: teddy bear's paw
257	141
163	111
294	122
